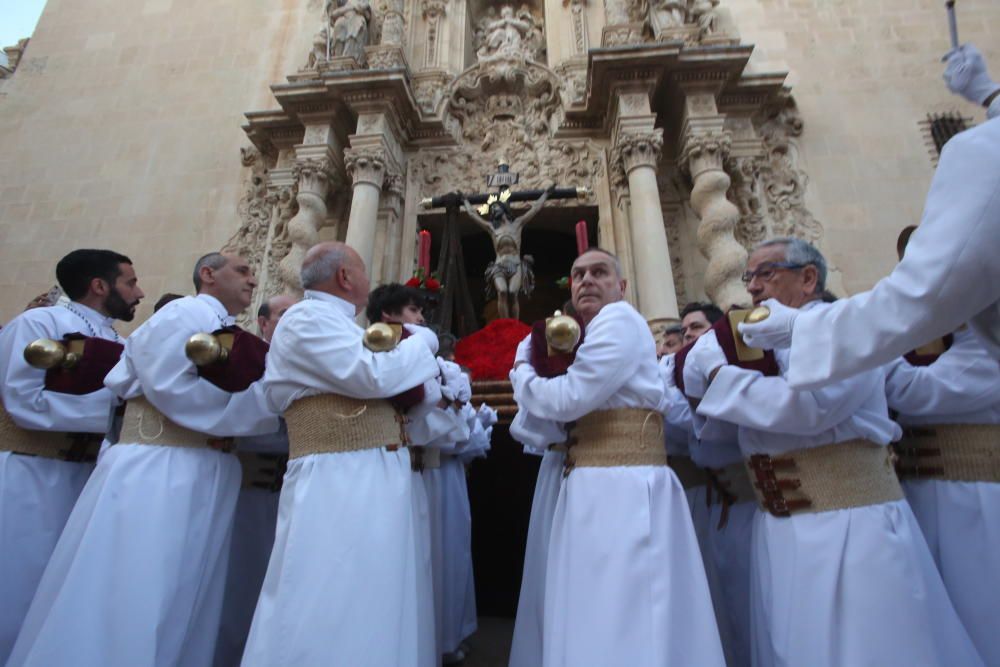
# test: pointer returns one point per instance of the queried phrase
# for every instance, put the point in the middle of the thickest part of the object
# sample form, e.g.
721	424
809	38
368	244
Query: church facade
693	129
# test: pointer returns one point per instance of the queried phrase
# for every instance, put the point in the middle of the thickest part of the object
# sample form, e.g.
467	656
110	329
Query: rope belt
688	473
847	474
951	452
143	424
619	437
332	424
73	447
263	470
730	485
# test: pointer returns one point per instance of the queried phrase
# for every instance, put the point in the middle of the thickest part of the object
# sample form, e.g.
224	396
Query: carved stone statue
508	36
350	19
706	15
318	52
509	274
666	14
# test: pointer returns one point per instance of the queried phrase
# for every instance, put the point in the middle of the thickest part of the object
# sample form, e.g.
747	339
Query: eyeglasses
767	270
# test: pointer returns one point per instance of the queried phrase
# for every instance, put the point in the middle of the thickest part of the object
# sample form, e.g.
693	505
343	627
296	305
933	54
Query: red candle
581	237
424	256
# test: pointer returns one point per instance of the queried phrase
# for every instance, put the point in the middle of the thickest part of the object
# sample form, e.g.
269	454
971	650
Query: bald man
349	581
137	577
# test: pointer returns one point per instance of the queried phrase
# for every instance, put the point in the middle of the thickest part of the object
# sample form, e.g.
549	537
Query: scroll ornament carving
314	178
574	83
254	210
385	57
433	9
366	165
429	93
639	149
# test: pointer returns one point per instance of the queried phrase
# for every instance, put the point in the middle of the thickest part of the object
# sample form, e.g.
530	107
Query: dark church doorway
502	485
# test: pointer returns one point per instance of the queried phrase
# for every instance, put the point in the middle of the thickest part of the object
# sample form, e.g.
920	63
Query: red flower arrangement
420	280
489	353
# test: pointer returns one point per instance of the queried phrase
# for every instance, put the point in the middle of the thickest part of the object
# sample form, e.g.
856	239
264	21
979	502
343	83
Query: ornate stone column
639	153
367	168
704	155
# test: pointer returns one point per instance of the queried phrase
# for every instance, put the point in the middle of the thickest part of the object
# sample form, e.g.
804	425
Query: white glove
775	332
704	357
966	74
426	335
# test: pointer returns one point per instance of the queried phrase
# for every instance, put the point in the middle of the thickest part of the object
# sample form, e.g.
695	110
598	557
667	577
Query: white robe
250	548
37	494
950	274
138	574
349	578
826	585
961	520
727	549
625	582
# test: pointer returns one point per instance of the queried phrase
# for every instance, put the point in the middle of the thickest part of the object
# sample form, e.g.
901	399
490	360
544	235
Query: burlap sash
620	437
733	484
432	458
143	424
263	470
843	475
688	473
330	424
951	452
75	447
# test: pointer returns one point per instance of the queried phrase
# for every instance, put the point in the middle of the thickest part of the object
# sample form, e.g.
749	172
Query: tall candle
424	256
581	237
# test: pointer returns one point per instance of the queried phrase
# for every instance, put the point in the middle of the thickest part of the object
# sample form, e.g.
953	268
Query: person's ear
623	286
810	279
100	286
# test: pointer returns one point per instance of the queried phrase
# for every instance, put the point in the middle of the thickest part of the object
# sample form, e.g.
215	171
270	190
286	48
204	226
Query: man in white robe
837	555
263	459
952	407
624	582
347	584
37	491
950	274
138	575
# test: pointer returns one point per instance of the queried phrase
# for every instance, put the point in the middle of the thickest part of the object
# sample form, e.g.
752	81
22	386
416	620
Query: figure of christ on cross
509	274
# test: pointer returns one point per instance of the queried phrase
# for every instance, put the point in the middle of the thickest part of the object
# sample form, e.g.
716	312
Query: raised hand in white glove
966	74
429	338
704	357
775	332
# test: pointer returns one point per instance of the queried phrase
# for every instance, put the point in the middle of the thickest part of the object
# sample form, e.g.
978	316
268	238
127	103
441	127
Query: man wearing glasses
836	549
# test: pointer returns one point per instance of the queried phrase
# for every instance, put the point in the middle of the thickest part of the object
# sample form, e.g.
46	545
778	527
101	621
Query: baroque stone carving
665	15
286	206
366	165
509	36
385	57
254	210
348	21
638	149
623	34
392	26
429	90
314	178
703	155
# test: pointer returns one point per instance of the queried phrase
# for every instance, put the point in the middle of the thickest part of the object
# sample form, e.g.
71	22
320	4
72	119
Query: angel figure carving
349	20
509	274
508	36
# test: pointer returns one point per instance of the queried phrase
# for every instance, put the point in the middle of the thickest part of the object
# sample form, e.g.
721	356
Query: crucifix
509	274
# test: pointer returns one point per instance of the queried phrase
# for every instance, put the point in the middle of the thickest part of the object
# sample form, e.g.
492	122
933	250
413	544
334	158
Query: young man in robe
137	577
624	581
837	552
263	459
348	582
40	484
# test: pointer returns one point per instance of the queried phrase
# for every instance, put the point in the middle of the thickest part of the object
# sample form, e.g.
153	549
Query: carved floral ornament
703	152
433	9
366	165
639	149
314	175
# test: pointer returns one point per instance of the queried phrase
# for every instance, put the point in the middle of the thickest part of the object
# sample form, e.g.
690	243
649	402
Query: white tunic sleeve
154	356
535	433
752	400
607	359
964	379
22	387
949	275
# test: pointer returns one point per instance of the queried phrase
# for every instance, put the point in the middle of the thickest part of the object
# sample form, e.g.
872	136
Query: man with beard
38	488
137	576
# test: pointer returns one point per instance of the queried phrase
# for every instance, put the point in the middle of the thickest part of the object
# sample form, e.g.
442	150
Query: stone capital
366	165
313	175
639	149
704	152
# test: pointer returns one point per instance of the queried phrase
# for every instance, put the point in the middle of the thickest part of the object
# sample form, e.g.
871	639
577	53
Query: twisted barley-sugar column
726	256
367	169
303	229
